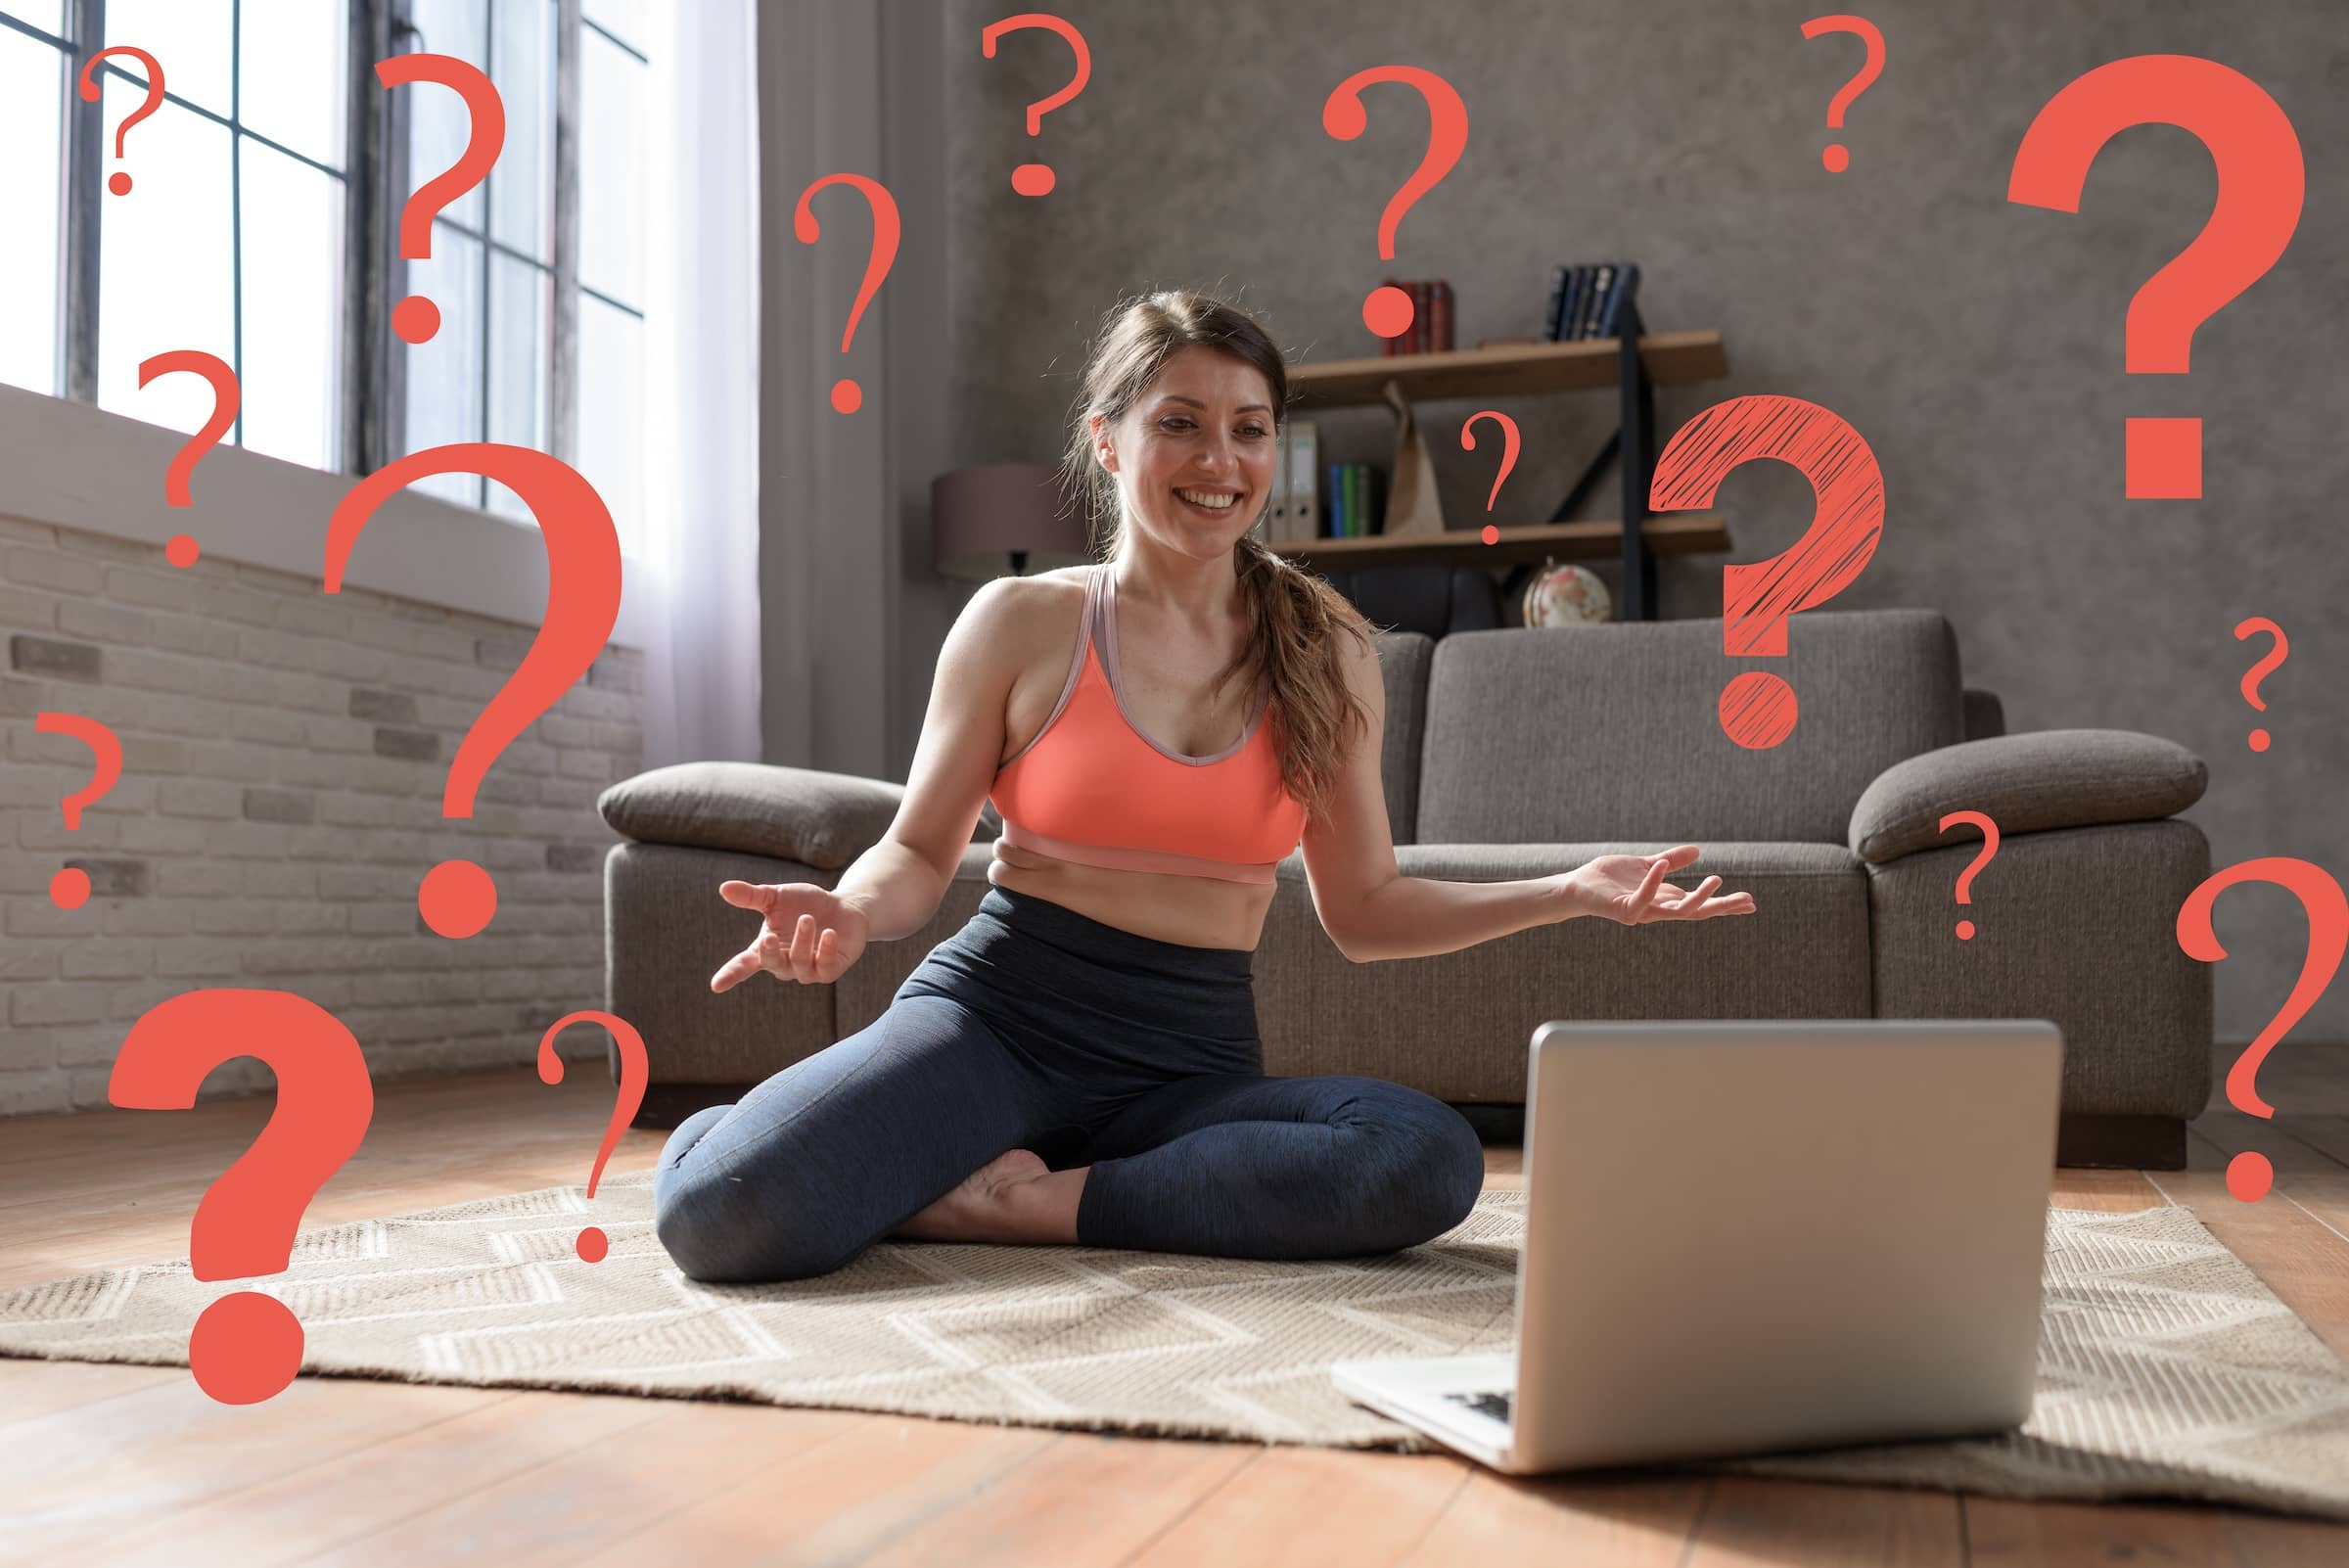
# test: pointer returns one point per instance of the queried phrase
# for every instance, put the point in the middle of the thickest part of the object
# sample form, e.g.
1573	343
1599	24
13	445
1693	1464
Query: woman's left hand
1630	890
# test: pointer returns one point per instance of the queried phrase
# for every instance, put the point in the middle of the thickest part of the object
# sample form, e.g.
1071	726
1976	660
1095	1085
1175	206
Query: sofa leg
2121	1142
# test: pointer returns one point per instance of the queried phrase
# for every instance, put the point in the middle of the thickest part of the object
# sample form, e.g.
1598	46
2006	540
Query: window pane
189	39
32	77
611	170
292	223
444	373
612	414
163	263
522	304
623	20
291	72
521	188
438	126
47	14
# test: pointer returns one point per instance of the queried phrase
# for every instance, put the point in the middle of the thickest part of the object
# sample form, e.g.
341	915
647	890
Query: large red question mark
583	601
227	397
1387	311
1758	710
2251	680
1965	878
416	318
592	1244
247	1347
118	182
1835	157
847	395
2248	1174
1508	457
2261	183
1035	179
69	888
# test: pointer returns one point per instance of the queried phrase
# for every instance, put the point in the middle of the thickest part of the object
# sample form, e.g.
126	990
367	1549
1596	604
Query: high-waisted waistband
1062	927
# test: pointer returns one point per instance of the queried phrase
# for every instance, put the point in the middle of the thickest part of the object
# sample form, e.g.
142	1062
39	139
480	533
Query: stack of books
1588	301
1356	496
1431	318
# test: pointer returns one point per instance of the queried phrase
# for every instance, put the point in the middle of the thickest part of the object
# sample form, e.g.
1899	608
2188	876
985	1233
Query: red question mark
847	395
583	601
1508	457
2248	1174
416	318
1965	878
1387	311
69	888
118	182
1836	158
1035	179
247	1347
1758	710
633	1072
2275	655
227	397
2261	182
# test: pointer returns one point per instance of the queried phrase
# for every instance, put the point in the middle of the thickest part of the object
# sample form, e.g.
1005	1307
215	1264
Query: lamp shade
995	517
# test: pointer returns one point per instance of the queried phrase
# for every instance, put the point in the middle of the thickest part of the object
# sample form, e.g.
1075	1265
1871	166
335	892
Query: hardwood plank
1750	1523
2114	1191
29	1389
1609	1518
1309	1508
2299	1258
2004	1533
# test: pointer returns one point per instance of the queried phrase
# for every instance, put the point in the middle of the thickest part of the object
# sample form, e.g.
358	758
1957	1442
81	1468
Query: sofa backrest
1612	732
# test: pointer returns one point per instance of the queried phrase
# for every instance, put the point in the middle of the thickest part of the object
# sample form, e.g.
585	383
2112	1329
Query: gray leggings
1035	1027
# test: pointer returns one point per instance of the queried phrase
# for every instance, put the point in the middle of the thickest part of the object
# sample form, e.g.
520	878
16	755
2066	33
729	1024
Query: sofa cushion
1403	660
792	814
2027	783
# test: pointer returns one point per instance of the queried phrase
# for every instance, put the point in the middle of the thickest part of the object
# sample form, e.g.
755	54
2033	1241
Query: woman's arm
1413	917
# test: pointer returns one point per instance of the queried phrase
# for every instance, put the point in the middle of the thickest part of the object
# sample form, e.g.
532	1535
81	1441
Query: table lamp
982	514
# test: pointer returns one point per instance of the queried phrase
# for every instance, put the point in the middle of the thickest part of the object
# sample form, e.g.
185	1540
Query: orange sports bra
1093	788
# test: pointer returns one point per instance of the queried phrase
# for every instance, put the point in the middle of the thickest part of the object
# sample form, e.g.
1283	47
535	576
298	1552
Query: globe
1563	594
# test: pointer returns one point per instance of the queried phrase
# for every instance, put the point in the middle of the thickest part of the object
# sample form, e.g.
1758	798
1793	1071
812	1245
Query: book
1305	476
1602	278
1620	298
1439	321
1420	341
1377	503
1354	500
1337	501
1578	288
1388	347
1557	302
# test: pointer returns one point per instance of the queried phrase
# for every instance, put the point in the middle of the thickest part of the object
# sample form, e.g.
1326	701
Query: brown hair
1294	615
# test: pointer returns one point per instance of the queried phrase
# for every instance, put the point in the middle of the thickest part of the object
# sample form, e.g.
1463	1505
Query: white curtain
701	507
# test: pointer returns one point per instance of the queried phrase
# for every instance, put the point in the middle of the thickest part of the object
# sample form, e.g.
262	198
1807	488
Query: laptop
1746	1238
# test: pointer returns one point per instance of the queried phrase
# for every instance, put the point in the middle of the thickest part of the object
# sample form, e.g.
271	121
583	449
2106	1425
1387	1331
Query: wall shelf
1666	533
1510	370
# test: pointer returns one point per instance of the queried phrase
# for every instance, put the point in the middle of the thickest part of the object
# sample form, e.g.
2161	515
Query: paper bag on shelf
1412	503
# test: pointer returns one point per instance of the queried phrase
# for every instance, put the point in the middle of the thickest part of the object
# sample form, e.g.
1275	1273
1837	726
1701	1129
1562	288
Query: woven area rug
2166	1369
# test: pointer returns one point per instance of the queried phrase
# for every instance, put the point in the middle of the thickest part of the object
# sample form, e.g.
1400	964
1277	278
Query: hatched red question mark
2251	680
1758	710
416	318
583	601
1035	179
227	397
2261	183
247	1347
1387	311
2249	1174
1965	878
69	888
118	182
1508	457
847	395
592	1244
1835	157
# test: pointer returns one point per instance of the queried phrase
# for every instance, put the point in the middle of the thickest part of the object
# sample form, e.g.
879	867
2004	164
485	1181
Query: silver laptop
1752	1237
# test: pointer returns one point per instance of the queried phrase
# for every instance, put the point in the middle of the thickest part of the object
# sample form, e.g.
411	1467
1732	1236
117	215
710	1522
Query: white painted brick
118	710
197	959
263	881
63	1003
198	796
167	589
198	879
24	609
556	730
106	547
269	580
46	833
151	835
50	569
219	601
100	622
298	918
356	735
587	765
31	960
144	917
234	917
389	775
272	727
33	1093
152	753
16	530
445	642
89	1047
571	795
188	716
381	920
128	1001
239	760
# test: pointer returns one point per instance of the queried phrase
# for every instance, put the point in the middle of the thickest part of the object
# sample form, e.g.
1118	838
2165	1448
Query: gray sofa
1513	753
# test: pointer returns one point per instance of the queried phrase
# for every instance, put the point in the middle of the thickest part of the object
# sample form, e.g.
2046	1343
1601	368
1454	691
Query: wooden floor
133	1464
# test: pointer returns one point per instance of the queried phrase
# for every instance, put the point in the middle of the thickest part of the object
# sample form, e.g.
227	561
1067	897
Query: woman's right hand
810	934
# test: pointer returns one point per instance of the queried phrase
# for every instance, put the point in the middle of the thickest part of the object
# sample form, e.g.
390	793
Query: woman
1098	1004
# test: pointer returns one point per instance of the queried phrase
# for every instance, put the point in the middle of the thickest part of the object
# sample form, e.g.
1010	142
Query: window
254	223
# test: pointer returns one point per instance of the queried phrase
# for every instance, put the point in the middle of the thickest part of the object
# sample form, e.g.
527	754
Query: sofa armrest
792	814
2027	783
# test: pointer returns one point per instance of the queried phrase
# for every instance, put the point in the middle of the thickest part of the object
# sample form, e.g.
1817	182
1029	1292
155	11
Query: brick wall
284	752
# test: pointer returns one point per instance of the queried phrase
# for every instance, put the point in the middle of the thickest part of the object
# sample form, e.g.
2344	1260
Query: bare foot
973	1211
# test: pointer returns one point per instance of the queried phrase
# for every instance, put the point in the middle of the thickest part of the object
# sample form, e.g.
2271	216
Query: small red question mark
118	182
247	1347
1508	457
633	1073
69	888
2275	655
2261	183
416	318
847	395
1387	311
2248	1174
583	601
1035	179
1836	158
227	397
1965	878
1758	710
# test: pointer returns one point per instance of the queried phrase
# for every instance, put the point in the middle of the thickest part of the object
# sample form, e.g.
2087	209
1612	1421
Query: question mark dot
592	1245
119	183
1033	179
2249	1175
456	899
1758	710
847	397
1387	311
1489	534
1965	931
69	888
2259	740
415	319
1836	158
245	1348
181	551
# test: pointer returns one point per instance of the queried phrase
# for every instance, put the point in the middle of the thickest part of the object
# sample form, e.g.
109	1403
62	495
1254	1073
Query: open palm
1630	890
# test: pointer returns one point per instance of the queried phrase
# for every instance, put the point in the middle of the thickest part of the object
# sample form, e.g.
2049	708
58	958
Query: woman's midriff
1196	912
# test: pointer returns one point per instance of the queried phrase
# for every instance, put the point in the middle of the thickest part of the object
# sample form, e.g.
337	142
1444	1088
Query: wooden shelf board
1508	370
1666	533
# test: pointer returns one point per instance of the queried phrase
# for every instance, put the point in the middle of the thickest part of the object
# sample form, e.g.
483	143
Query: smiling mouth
1226	510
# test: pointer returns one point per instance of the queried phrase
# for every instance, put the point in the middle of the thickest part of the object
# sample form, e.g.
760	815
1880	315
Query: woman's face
1203	425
